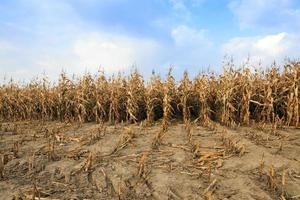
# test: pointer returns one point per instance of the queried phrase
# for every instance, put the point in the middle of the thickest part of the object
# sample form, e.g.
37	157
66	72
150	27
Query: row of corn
237	96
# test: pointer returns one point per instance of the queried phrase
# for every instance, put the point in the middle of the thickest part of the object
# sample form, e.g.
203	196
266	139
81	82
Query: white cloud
89	51
273	45
115	52
192	49
266	14
264	49
186	36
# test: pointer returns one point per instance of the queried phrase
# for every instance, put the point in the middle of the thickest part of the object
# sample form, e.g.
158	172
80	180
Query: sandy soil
55	160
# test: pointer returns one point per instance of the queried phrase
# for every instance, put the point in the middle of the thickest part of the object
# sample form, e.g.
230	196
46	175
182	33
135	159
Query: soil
53	160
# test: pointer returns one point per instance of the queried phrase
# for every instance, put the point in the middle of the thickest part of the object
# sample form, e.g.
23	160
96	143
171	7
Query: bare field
53	160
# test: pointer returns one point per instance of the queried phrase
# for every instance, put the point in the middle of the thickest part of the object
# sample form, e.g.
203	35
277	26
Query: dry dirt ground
54	160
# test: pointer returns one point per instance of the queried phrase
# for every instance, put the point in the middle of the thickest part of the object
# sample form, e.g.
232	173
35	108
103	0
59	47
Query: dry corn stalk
135	97
196	150
244	81
158	139
126	137
153	98
117	99
141	171
98	134
227	98
209	190
272	178
293	77
188	131
101	94
88	163
201	90
169	92
232	147
185	91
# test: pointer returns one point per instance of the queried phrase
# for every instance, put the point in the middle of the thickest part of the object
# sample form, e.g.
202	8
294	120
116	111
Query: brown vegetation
232	98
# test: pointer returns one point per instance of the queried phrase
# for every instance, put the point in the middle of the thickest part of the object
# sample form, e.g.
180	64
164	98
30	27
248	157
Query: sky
77	36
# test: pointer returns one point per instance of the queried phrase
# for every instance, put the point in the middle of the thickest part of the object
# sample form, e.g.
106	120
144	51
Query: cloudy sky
44	37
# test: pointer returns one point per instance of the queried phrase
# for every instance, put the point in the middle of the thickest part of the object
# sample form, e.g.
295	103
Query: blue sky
47	36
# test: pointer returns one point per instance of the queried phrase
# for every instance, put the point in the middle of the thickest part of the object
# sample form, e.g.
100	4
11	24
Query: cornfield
235	97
